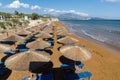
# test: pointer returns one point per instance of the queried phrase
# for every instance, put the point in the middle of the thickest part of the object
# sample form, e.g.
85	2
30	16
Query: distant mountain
72	16
97	18
68	16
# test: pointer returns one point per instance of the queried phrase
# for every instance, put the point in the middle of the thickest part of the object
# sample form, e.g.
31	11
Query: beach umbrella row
28	60
70	49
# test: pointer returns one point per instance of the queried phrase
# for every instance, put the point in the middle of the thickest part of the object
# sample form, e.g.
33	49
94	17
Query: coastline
108	46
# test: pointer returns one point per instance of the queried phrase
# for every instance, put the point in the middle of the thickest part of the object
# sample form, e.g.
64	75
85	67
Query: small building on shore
26	18
2	18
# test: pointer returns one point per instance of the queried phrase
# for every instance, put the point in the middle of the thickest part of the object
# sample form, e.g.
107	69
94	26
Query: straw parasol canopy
43	35
38	44
29	60
48	29
4	47
31	29
75	53
13	38
8	32
24	32
67	40
62	32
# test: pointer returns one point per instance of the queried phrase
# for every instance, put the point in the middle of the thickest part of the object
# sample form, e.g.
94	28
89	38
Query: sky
109	9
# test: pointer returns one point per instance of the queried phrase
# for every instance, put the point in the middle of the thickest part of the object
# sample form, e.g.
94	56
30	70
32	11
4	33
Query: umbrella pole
7	34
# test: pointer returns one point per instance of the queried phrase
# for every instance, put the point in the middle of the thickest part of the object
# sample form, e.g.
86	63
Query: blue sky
96	8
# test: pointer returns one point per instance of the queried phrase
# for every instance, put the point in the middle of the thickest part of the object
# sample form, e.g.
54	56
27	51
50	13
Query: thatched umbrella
75	53
43	35
31	29
24	32
8	32
38	44
13	38
29	60
67	40
4	47
62	32
48	29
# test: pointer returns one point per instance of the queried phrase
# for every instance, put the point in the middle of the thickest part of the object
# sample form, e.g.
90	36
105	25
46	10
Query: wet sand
104	64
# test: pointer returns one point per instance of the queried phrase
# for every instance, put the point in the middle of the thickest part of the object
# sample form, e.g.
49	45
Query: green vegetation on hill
12	20
2	25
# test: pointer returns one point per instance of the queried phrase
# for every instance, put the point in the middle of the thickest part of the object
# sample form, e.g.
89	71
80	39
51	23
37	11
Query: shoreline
109	47
101	44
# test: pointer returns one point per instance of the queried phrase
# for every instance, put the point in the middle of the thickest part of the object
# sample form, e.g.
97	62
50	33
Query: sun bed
2	71
60	36
21	44
78	76
50	46
41	77
2	64
2	68
66	66
79	64
22	50
72	66
45	77
8	53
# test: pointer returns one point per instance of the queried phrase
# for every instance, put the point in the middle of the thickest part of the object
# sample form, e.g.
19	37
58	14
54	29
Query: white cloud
57	12
35	7
111	0
17	4
0	4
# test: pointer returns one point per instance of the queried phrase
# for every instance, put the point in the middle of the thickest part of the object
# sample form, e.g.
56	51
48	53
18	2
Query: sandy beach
104	64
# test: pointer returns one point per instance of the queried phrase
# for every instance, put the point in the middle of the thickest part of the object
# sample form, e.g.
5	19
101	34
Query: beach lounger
45	77
2	71
2	64
66	66
79	64
72	66
50	46
22	44
60	36
41	77
8	53
24	78
22	50
78	76
2	68
50	40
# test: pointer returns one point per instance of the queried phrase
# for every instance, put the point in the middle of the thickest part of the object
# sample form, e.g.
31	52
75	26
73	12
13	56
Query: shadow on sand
6	75
57	72
4	58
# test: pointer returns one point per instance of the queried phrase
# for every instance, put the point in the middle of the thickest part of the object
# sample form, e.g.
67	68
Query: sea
103	32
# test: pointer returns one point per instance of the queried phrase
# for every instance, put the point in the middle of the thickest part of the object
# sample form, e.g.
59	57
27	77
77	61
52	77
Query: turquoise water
103	31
